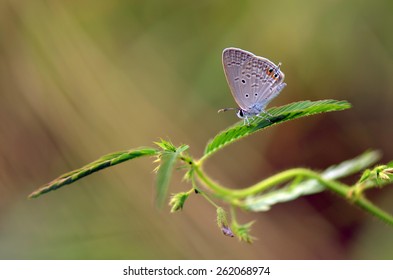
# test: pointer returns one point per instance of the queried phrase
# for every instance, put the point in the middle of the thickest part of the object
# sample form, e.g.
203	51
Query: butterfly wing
266	80
233	61
254	81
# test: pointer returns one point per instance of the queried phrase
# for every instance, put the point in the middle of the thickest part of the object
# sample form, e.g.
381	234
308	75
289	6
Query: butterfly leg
265	118
246	121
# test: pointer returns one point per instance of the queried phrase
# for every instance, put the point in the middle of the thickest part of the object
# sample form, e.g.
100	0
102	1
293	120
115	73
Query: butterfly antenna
226	109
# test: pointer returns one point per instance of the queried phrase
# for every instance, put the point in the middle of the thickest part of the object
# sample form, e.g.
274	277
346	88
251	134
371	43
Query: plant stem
374	210
341	189
270	182
203	194
215	187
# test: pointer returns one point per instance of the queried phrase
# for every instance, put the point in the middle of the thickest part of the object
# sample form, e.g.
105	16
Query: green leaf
366	174
379	176
101	163
177	201
166	145
164	172
277	115
243	231
264	202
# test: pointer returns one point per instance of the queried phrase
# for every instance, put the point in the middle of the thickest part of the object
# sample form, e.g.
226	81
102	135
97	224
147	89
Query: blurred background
80	79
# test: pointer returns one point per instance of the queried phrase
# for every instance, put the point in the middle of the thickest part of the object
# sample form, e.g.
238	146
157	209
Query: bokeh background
79	79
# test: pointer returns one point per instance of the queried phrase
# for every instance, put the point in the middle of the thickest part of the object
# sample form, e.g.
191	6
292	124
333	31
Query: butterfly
254	81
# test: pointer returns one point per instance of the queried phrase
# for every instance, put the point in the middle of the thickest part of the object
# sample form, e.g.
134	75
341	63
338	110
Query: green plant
282	187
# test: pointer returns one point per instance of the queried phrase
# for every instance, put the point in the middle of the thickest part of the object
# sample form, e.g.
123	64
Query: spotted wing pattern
254	81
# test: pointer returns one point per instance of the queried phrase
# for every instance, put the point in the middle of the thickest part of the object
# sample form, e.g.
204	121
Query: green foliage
379	176
167	159
222	222
243	231
282	187
277	115
304	186
177	201
101	163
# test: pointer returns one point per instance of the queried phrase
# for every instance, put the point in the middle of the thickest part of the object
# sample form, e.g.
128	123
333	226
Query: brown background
79	79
